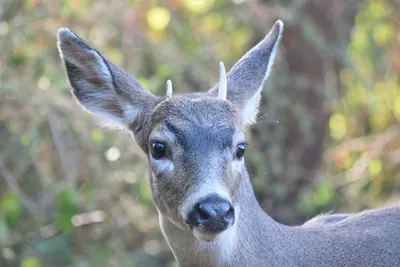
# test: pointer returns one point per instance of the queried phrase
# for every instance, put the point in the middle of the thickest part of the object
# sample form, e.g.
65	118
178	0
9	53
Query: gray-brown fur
201	134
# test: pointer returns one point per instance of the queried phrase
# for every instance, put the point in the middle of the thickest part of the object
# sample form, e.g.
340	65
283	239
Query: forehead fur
189	110
198	122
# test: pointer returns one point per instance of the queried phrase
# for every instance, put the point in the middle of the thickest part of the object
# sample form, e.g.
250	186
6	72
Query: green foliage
67	206
31	262
75	194
320	199
101	255
369	108
55	249
11	208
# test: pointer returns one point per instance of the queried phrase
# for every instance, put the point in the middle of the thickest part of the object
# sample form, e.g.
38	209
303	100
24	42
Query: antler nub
169	89
222	91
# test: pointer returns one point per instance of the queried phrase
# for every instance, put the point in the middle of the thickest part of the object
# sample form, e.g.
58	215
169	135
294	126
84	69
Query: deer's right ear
246	79
101	87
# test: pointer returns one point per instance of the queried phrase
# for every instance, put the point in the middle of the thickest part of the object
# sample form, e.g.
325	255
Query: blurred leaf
211	24
11	208
379	9
25	139
375	167
338	126
164	70
323	195
101	255
397	108
239	39
383	33
158	18
67	206
155	40
199	6
115	56
143	194
318	200
343	161
18	59
55	248
31	262
97	136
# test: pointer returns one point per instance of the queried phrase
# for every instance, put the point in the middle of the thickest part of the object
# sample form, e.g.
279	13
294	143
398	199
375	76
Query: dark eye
157	150
240	151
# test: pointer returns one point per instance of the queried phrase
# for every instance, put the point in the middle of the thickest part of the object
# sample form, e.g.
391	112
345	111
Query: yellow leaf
383	33
347	77
396	108
379	9
199	6
30	262
375	167
337	126
158	18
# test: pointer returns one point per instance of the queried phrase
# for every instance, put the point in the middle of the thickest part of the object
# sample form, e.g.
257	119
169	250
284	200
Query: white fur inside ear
89	61
111	120
100	67
251	109
130	113
96	103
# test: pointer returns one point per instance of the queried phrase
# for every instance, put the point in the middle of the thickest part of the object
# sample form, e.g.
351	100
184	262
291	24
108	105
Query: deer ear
246	78
101	87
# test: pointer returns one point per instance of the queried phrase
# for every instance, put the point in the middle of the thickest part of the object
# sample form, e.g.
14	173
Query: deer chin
205	236
226	237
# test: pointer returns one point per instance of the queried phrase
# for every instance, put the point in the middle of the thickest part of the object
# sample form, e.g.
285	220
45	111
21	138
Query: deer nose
213	213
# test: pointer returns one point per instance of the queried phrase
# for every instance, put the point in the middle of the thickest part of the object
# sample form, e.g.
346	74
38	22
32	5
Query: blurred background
328	137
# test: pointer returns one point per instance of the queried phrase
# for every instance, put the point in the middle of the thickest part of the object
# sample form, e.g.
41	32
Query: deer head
194	142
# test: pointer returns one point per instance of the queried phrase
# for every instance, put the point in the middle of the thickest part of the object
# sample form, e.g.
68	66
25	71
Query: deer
195	146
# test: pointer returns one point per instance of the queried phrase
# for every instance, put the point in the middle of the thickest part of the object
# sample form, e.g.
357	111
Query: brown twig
29	204
68	160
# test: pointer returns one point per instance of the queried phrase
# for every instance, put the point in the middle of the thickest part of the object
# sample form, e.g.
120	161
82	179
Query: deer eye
157	150
240	149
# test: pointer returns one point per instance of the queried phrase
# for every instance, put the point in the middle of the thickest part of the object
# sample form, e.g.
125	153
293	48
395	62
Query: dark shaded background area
75	194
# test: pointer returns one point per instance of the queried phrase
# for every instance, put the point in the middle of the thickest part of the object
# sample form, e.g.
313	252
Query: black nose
213	213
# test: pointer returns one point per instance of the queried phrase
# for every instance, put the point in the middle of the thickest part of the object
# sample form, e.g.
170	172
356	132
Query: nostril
230	215
203	214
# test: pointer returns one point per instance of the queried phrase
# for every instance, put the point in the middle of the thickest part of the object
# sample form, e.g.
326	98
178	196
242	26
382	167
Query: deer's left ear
103	88
246	78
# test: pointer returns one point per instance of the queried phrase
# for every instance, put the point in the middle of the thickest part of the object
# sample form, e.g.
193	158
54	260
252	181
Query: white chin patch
222	237
204	236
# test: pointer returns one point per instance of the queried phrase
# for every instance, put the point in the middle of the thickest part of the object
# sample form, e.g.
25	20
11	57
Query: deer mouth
227	235
205	236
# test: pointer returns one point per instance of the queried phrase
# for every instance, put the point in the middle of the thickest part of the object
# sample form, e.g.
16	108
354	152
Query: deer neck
254	232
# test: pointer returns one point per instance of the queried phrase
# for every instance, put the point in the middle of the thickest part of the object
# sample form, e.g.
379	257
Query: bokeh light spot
152	247
199	6
396	108
337	126
44	83
3	28
113	154
158	18
375	167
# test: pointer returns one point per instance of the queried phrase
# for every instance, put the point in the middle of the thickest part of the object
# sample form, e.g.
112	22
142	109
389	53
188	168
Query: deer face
195	155
194	142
